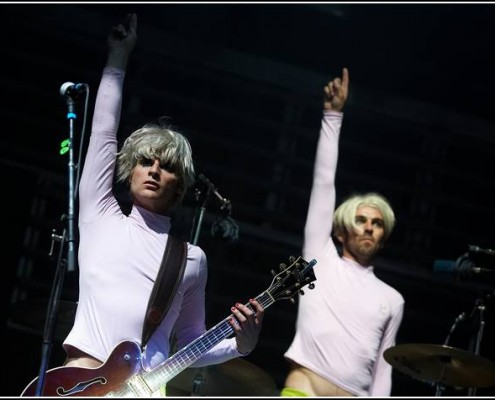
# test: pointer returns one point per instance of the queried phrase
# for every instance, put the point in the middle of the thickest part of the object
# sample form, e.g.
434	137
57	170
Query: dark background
244	83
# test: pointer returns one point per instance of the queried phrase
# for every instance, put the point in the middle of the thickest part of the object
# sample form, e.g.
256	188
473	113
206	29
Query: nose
154	168
368	226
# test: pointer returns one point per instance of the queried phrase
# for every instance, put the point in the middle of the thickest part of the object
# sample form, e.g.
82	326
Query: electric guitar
122	374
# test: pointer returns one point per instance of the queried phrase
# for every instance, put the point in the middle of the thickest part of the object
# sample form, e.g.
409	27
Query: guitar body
123	363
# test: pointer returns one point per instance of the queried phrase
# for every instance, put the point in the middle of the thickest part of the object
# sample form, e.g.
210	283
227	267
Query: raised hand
121	42
336	91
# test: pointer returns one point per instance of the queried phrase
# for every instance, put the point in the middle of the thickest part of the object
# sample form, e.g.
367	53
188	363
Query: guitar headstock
291	279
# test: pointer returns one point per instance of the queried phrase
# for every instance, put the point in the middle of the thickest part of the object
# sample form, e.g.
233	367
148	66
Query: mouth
151	185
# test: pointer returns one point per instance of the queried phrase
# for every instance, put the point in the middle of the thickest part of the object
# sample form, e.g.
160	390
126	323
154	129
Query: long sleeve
95	192
190	323
318	226
381	384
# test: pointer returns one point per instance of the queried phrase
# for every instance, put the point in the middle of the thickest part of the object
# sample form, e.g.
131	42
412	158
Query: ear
341	237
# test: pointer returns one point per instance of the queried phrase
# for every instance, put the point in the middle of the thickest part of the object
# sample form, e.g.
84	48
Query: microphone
226	205
224	227
476	249
71	89
463	265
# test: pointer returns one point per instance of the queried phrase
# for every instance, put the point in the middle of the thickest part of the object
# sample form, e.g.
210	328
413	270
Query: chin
368	252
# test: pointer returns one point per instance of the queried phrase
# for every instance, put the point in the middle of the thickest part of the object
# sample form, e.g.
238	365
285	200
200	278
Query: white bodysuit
119	258
351	317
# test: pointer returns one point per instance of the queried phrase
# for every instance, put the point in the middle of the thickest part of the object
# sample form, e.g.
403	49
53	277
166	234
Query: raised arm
322	201
121	42
96	178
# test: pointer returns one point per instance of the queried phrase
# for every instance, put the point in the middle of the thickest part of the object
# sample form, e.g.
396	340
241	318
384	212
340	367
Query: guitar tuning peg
273	272
301	292
292	259
311	286
282	266
292	300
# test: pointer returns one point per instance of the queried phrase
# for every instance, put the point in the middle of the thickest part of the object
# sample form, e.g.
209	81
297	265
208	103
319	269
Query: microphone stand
461	317
198	220
200	210
71	253
475	343
67	236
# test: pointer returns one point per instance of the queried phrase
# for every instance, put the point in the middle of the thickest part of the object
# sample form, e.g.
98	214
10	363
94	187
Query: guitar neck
197	348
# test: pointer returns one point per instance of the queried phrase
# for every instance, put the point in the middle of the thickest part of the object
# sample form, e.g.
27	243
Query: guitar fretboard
194	350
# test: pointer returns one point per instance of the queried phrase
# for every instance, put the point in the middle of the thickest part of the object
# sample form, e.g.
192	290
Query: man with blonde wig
351	317
344	218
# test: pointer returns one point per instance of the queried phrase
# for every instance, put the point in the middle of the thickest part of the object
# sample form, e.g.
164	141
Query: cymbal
442	364
236	377
31	315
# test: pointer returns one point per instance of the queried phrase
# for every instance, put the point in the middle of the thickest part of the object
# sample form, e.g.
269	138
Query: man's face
364	243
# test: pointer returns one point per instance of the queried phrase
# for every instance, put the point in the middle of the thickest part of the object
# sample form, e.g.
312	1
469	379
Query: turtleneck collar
356	265
157	222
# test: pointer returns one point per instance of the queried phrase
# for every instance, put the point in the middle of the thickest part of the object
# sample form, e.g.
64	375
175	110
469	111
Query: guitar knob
311	286
301	292
292	300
